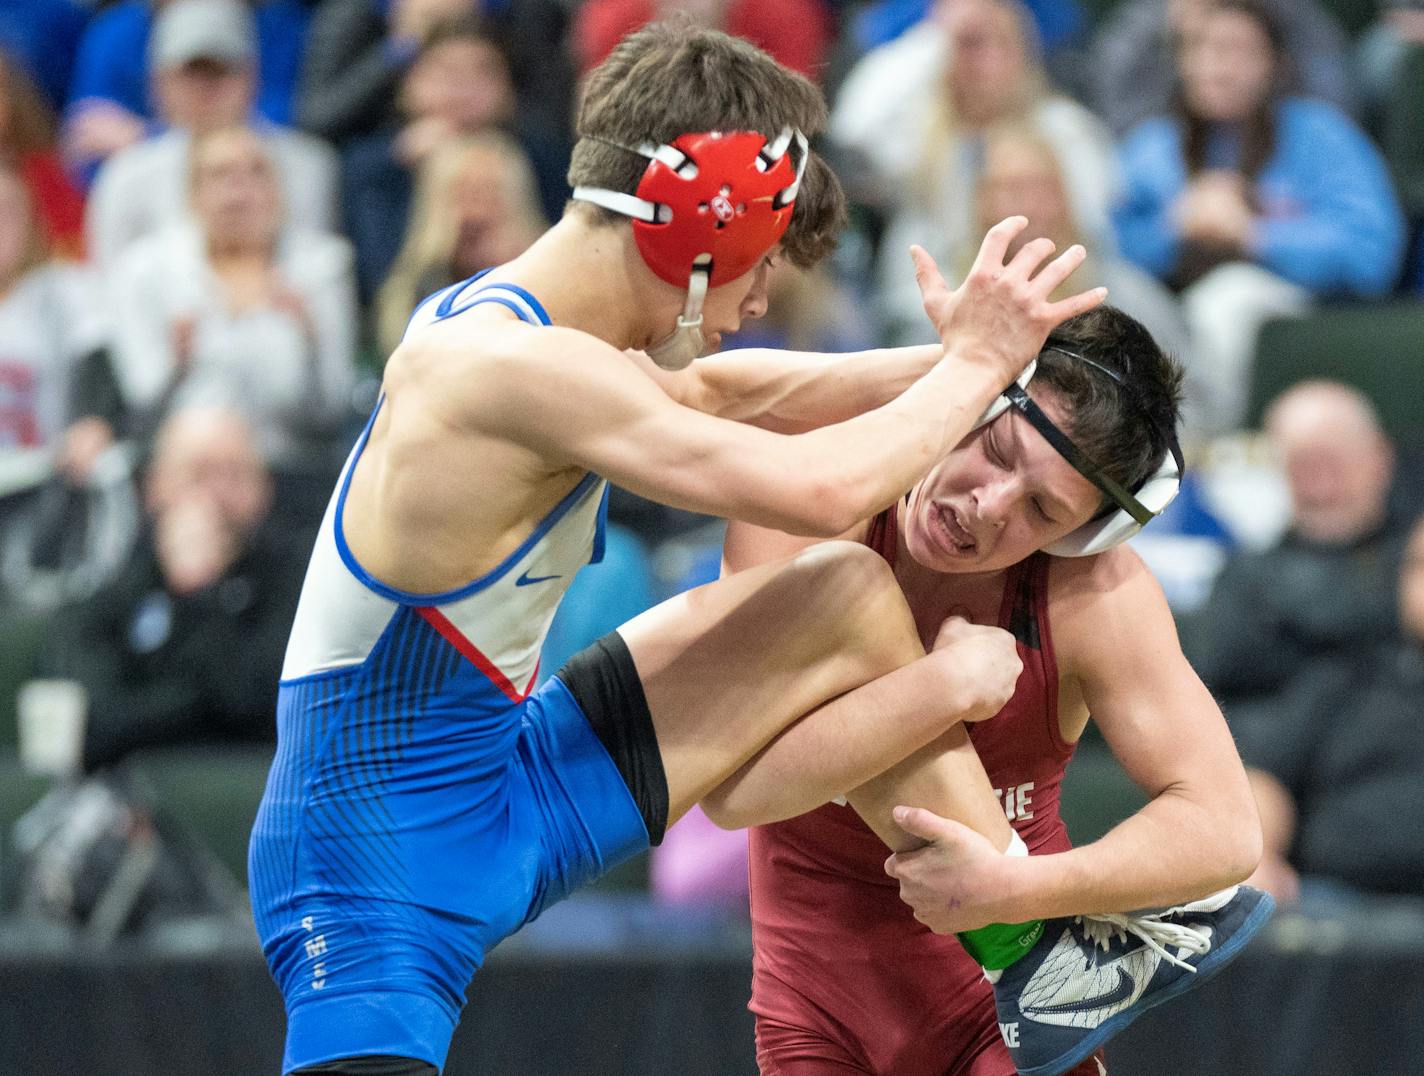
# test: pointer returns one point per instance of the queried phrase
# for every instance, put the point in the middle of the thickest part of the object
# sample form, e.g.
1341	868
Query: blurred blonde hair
946	128
431	234
1021	134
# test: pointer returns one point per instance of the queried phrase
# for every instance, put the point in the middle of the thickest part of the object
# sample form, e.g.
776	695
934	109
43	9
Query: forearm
867	462
794	391
847	742
1178	848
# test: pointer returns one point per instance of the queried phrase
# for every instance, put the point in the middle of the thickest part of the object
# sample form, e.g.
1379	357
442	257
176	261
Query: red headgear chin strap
707	209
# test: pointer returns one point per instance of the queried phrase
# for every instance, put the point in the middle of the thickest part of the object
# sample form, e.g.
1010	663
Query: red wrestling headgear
707	209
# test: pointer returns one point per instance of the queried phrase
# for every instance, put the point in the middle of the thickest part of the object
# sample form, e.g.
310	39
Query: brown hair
31	120
1122	426
671	78
1258	139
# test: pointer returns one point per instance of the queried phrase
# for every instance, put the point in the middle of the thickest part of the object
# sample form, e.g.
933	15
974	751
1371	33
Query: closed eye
992	451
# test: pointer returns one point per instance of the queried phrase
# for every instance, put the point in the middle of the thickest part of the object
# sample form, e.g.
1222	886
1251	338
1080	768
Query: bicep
1157	716
587	408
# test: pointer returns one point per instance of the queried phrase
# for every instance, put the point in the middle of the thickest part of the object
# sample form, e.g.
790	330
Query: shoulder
297	148
1160	134
1059	114
1305	123
157	252
479	360
317	255
1106	608
138	163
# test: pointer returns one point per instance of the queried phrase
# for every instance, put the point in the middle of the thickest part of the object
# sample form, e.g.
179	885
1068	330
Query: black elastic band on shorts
374	1065
604	682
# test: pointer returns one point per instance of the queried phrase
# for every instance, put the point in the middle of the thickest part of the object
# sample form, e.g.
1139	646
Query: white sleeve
330	295
143	356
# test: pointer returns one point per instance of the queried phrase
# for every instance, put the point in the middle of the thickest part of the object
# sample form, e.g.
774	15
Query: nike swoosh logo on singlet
526	579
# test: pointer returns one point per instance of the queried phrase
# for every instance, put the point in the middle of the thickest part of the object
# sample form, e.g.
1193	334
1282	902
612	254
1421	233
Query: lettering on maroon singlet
1017	801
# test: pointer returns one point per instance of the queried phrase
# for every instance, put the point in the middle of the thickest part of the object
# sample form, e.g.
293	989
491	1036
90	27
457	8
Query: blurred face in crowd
235	195
1411	586
1021	176
16	228
988	60
1227	66
462	80
489	226
204	95
1184	16
1337	461
209	454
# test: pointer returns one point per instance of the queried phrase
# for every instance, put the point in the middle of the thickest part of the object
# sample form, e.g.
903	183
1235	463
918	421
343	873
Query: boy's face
1000	495
727	305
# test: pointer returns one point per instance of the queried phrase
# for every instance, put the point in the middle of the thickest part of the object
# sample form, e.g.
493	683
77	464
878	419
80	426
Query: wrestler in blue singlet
423	805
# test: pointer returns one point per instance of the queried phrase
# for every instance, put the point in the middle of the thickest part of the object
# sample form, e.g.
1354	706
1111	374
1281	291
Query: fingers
1030	257
1077	304
996	244
918	822
927	273
1059	269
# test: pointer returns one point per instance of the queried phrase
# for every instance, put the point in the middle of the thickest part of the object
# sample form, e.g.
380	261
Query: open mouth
952	532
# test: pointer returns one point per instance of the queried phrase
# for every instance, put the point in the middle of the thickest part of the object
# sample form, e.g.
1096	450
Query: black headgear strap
1079	460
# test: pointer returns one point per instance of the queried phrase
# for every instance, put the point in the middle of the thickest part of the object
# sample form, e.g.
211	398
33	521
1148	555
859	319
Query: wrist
972	372
1034	885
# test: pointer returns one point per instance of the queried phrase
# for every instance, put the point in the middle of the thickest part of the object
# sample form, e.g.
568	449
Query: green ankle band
1000	944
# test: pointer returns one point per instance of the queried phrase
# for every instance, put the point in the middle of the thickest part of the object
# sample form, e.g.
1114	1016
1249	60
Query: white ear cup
1001	402
1156	493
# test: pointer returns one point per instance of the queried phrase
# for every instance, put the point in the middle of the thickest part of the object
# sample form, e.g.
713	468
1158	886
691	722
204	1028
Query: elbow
1240	845
1243	854
829	507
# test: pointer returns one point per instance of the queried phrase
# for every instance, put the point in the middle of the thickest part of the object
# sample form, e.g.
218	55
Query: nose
755	304
994	500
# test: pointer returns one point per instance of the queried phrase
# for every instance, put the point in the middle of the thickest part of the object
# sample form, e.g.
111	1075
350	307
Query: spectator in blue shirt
44	36
1252	203
110	105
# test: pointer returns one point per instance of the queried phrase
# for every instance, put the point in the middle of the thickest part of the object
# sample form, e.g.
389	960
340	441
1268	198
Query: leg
783	1050
727	666
827	633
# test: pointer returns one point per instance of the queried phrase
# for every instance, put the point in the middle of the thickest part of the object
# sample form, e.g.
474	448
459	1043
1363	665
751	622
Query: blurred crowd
217	215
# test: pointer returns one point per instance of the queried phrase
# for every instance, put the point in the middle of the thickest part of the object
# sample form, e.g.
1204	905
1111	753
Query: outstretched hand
1002	314
957	881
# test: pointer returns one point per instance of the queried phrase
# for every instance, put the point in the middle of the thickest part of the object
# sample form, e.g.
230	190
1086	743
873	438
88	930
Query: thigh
788	1051
727	666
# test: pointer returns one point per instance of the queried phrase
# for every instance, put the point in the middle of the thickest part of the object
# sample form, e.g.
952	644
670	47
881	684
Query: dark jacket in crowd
1352	757
164	669
1273	613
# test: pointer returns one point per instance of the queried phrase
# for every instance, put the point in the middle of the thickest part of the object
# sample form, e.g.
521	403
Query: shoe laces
1153	928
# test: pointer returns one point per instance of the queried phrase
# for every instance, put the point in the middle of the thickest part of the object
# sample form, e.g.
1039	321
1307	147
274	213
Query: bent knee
855	578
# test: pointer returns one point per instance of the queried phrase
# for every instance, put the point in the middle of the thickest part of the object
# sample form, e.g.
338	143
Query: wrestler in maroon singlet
845	979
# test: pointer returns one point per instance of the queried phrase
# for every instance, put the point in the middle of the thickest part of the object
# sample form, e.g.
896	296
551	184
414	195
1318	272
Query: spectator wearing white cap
202	58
